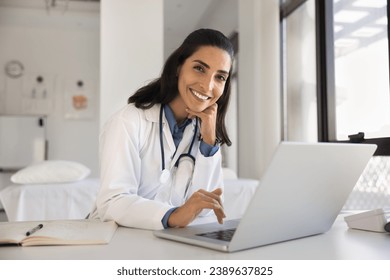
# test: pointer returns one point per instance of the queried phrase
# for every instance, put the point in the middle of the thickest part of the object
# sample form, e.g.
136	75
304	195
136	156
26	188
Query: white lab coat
130	163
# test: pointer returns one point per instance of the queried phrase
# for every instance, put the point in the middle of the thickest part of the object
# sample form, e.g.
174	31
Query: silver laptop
300	194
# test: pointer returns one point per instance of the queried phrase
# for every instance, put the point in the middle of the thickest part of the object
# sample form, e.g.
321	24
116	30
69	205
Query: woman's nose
207	83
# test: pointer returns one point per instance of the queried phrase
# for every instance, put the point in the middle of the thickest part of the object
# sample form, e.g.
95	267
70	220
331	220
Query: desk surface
338	243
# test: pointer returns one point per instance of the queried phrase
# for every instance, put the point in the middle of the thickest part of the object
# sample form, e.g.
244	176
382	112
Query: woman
160	157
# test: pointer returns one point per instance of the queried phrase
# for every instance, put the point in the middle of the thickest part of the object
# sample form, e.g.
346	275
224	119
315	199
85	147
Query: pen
31	231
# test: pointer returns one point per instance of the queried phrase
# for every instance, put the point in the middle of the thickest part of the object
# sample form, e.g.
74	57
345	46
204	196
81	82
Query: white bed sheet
237	195
49	201
75	200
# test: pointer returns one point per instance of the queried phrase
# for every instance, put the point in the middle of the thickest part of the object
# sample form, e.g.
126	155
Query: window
351	82
362	96
361	68
335	70
299	87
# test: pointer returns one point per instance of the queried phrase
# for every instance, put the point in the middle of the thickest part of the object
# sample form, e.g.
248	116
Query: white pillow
51	171
229	174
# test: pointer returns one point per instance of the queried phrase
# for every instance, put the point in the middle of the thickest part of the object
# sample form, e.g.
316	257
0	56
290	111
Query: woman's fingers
212	200
198	201
208	119
215	196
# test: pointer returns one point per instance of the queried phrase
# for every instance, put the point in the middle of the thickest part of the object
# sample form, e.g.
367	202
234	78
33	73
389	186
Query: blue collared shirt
177	134
178	131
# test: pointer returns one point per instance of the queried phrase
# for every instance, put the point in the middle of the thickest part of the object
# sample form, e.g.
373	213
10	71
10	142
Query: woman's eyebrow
208	67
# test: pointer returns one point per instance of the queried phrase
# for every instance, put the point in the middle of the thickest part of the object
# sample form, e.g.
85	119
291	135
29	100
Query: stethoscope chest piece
165	176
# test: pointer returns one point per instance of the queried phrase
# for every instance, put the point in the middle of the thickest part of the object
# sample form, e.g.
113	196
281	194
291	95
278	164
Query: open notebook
300	194
57	232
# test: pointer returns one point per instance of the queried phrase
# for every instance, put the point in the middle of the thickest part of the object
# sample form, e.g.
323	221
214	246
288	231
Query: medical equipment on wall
180	174
39	90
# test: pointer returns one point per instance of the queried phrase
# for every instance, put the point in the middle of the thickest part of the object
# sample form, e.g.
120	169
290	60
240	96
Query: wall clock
14	69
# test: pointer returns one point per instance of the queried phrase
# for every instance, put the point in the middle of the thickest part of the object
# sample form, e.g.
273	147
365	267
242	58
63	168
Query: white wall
221	15
131	54
131	50
259	127
63	47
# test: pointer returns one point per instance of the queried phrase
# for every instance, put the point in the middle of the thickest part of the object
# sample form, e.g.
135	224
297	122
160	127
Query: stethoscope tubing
188	154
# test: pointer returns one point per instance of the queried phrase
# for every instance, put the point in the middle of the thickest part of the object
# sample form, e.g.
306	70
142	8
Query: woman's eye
199	68
221	78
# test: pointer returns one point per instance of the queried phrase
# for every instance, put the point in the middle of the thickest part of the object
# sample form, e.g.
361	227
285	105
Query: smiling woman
180	119
202	80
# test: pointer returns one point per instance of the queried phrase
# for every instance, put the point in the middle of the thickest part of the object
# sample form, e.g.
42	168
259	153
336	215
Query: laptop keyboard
225	235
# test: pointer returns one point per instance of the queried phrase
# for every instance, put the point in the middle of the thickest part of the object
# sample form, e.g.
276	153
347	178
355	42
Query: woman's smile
199	95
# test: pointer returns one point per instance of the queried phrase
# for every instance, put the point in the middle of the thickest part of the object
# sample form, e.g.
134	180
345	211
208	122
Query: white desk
338	243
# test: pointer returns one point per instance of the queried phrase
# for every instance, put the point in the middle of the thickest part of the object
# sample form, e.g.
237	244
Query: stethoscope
166	174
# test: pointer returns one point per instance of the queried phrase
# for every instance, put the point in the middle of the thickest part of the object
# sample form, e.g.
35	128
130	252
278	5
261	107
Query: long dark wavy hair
164	89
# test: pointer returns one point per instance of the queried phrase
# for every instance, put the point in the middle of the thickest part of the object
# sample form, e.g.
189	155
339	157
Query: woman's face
202	77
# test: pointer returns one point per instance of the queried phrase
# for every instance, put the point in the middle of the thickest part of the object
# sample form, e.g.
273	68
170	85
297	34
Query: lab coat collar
153	114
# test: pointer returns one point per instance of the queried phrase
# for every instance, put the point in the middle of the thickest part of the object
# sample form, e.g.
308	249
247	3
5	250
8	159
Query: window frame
325	67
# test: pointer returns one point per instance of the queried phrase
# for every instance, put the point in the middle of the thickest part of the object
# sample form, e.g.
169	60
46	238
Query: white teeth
197	94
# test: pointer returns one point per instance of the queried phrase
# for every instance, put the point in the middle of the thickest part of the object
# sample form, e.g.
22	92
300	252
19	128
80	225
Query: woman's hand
208	119
198	201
